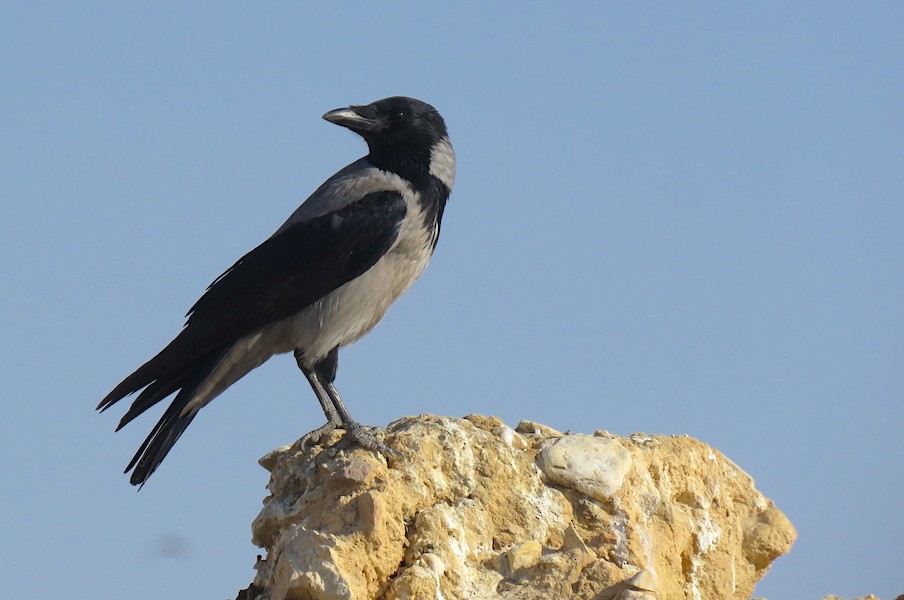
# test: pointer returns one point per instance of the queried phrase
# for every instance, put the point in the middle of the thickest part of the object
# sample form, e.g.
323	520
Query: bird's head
396	128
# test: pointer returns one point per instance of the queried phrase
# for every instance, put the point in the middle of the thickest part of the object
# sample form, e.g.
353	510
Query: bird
322	281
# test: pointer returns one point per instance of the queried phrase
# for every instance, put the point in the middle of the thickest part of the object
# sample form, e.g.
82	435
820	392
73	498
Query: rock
523	556
533	428
420	581
595	466
628	594
644	580
768	536
473	509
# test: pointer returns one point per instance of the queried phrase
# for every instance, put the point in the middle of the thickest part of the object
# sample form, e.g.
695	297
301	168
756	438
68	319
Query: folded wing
282	276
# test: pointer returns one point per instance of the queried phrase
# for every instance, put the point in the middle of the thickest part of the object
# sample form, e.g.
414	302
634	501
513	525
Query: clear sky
672	218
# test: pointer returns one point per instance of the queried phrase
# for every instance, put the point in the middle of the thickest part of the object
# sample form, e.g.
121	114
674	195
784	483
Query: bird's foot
312	438
367	439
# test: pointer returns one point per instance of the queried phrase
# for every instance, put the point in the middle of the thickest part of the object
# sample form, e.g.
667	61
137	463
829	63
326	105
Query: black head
400	132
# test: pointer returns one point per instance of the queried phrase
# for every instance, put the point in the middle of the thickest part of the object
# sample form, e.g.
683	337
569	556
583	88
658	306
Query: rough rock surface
474	509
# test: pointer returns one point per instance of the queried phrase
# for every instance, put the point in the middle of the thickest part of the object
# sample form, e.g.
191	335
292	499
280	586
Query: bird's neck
413	167
428	169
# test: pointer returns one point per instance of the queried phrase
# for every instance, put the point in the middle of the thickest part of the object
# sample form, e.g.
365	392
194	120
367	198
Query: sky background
670	218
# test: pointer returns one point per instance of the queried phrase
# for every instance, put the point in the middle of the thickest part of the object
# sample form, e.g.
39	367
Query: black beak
360	119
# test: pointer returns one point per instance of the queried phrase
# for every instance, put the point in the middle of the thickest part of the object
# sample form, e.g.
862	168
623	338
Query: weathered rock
595	466
473	509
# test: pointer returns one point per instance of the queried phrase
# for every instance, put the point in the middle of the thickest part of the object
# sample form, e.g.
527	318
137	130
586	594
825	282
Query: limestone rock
595	466
474	509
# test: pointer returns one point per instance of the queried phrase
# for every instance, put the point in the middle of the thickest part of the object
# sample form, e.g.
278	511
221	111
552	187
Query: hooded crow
321	282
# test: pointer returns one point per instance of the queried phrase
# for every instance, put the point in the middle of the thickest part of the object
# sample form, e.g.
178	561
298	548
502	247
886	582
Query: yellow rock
465	511
524	555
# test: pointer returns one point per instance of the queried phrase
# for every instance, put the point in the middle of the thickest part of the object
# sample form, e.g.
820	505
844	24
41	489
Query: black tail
169	363
161	439
160	377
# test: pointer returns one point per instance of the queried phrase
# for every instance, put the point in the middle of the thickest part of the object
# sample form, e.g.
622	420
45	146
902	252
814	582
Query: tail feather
174	421
154	393
160	441
172	360
160	377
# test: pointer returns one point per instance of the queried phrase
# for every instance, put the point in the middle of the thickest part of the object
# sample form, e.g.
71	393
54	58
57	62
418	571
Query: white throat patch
442	162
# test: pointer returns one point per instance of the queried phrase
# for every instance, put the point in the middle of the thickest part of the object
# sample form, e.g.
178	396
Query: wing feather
286	273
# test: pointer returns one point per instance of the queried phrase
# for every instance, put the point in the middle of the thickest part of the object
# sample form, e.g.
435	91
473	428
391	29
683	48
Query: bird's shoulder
345	188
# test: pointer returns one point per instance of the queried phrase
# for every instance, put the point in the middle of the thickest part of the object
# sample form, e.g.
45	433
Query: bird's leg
333	419
355	430
321	378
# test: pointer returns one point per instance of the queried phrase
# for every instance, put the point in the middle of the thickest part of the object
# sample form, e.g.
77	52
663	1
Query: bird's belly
352	310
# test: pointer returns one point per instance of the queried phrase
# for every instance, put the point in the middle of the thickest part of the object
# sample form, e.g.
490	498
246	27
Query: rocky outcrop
471	508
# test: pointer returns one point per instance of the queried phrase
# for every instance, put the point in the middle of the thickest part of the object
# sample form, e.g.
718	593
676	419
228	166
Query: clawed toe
366	438
312	438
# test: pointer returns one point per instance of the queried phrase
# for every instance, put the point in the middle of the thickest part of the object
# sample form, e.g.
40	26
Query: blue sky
676	219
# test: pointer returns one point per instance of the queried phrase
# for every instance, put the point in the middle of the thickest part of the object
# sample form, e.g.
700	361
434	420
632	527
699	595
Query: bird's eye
398	116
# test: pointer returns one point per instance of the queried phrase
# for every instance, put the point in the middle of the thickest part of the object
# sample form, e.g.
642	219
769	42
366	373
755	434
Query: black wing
283	275
297	267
